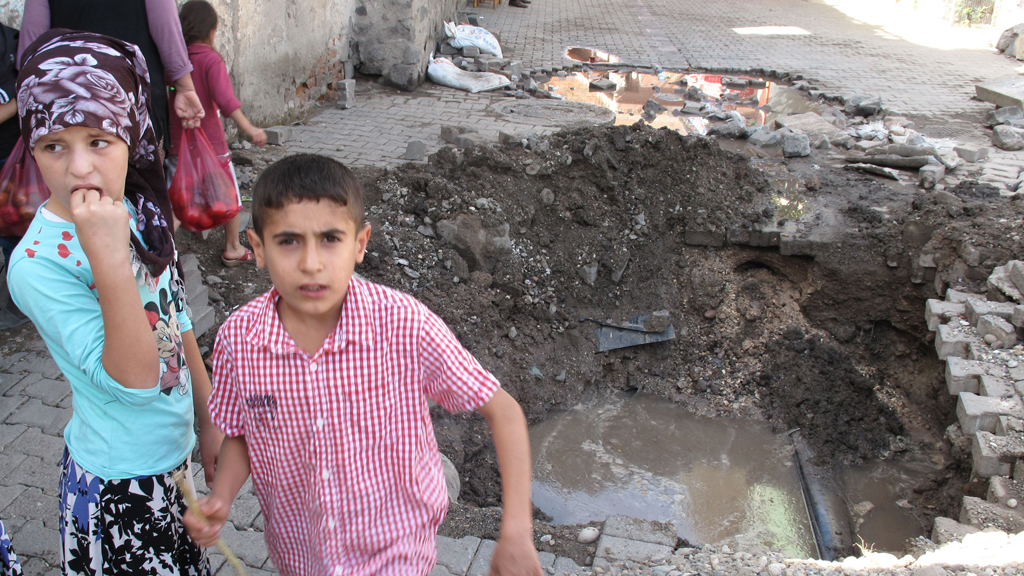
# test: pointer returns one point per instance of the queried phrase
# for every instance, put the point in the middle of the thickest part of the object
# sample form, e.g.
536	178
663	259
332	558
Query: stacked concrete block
996	331
954	340
976	412
197	296
975	308
1001	287
995	455
995	387
964	375
938	312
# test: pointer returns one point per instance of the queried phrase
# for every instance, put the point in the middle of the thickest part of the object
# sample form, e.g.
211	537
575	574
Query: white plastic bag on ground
444	72
464	35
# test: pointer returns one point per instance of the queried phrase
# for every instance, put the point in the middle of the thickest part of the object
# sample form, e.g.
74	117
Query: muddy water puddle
718	480
758	101
644	457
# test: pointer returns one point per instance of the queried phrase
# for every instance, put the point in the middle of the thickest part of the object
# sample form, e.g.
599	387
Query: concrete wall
284	55
394	38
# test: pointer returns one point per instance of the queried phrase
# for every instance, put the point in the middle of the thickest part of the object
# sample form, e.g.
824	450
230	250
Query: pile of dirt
515	248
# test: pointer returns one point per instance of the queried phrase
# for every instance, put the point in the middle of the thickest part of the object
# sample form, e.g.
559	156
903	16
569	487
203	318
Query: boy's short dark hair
198	19
306	177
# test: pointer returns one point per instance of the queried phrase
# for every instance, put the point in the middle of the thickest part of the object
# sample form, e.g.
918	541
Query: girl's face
80	157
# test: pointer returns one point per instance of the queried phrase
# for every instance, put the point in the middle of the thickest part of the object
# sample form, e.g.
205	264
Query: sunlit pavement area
919	66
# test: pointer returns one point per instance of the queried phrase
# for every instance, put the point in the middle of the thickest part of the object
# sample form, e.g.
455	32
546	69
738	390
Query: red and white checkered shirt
343	454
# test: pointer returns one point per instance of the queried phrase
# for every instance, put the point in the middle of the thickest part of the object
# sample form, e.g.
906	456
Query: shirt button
319	422
312	366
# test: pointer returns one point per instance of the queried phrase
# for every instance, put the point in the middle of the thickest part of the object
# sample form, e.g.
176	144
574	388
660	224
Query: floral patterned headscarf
71	78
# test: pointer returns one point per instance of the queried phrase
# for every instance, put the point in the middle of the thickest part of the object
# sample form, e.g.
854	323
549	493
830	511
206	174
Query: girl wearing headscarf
97	273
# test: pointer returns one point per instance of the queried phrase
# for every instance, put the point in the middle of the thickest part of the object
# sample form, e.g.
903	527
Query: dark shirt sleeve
35	21
165	28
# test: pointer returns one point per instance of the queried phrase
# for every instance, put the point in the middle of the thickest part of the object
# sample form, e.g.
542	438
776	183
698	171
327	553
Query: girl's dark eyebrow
329	232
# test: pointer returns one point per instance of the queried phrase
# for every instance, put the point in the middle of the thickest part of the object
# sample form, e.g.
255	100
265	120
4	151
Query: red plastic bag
202	191
22	191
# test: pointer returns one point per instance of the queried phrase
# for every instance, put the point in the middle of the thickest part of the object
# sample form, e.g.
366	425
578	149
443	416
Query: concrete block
447	49
963	375
938	312
1006	138
946	530
1001	288
972	153
346	94
976	412
950	340
994	387
1018	470
930	175
1003	115
202	320
995	455
975	309
981	514
663	533
456	555
1009	425
470	51
961	297
613	548
809	123
278	135
992	325
1002	91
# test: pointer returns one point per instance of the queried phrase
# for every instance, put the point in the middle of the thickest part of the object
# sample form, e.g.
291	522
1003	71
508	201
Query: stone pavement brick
636	529
33	472
37	566
8	406
39	363
7	381
481	565
34	539
8	462
248	545
456	555
244	510
9	493
32	504
565	567
34	413
9	433
50	392
24	381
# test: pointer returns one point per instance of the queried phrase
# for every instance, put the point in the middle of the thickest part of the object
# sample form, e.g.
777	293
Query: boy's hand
102	224
258	136
515	556
207	533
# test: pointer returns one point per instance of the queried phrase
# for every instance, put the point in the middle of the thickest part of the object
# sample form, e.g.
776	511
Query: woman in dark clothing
152	25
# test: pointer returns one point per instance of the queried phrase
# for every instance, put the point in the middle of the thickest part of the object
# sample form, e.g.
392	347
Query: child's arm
210	437
130	355
257	135
233	470
515	554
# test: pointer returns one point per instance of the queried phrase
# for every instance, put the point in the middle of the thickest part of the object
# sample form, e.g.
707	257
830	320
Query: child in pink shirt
210	75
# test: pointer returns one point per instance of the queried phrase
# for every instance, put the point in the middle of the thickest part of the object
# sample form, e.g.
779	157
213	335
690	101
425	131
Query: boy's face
310	249
81	157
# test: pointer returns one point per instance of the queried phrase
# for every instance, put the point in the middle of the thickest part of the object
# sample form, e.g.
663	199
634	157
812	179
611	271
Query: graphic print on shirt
163	319
263	408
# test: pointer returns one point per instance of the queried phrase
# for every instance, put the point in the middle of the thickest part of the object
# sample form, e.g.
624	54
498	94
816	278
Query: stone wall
394	38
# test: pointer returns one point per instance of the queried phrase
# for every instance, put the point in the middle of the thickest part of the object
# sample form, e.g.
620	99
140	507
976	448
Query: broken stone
479	245
653	107
892	160
796	145
762	136
876	170
946	530
1003	115
1007	138
588	273
602	84
731	129
415	151
808	123
930	175
547	197
865	145
866	106
822	143
971	154
1001	288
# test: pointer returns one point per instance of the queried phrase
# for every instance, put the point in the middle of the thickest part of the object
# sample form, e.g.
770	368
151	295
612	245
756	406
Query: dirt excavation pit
810	320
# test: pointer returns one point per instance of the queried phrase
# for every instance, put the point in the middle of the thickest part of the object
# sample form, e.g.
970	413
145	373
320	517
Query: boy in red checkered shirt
321	388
